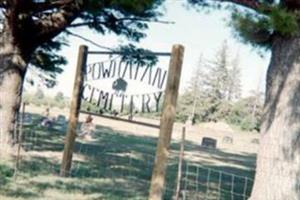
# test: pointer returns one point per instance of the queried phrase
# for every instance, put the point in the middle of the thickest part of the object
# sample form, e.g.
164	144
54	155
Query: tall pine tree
234	90
218	77
191	100
217	83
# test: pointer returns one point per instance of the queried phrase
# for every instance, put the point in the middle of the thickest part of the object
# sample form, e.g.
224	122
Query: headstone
255	141
47	123
27	118
61	119
209	142
227	139
115	113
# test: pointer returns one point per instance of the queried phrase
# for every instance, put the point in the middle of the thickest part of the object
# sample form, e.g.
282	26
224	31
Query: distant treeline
40	99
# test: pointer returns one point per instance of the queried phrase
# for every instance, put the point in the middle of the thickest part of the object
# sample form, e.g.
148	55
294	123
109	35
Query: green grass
113	166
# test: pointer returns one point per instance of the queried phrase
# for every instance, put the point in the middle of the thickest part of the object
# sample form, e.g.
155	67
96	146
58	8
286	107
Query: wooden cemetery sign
123	76
128	79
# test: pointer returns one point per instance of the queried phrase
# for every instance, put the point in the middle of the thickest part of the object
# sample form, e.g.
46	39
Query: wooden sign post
74	112
166	124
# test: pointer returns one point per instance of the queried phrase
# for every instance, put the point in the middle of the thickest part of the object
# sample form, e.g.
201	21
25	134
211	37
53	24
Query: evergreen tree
218	77
191	102
234	80
243	115
196	86
59	97
217	83
39	94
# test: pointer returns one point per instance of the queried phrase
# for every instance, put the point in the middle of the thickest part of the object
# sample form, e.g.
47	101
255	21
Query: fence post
19	138
166	124
74	112
179	174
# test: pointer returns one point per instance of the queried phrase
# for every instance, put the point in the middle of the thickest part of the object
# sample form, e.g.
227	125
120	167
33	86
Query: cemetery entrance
135	84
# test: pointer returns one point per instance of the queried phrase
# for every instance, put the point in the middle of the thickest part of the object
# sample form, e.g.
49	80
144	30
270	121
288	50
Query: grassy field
117	164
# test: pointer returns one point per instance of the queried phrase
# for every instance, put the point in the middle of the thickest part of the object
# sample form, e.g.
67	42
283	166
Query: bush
39	99
5	173
39	94
241	115
248	124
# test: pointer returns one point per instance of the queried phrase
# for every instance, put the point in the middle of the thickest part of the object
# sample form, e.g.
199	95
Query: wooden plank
179	173
122	119
129	53
166	124
74	112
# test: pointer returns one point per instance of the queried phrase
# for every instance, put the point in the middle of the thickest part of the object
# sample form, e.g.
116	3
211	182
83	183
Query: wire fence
205	183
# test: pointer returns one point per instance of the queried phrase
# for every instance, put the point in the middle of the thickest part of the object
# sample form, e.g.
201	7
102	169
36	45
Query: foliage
184	108
59	96
214	94
256	22
240	113
245	115
90	107
39	99
217	77
6	172
39	94
43	34
47	61
193	95
60	100
234	89
138	56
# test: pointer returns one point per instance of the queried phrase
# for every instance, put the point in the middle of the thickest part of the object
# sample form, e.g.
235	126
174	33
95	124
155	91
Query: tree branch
144	20
88	40
251	4
83	24
51	25
121	19
47	5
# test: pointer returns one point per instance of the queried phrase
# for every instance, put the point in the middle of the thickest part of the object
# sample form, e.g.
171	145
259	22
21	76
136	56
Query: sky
200	34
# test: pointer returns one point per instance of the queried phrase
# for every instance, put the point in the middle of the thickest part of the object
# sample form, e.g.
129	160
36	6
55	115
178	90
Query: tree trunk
12	72
278	163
